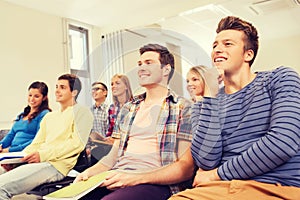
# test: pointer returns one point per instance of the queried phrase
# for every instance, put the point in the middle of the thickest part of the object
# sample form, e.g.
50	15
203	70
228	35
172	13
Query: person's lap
26	177
238	189
144	191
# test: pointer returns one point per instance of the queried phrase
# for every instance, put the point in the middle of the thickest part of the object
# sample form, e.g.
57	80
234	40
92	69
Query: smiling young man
54	151
100	111
247	134
151	153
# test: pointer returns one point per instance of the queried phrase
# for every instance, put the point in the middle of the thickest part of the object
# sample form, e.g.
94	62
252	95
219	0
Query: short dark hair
74	82
98	82
103	85
165	57
235	23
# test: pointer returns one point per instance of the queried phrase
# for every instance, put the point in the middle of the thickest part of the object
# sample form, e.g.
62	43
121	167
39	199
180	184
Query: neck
99	102
32	110
156	94
65	105
122	99
237	81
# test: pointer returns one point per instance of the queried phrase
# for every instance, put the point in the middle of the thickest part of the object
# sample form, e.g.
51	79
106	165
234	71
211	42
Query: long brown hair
43	88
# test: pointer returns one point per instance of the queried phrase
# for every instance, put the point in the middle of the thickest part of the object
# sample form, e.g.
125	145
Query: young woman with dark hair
27	123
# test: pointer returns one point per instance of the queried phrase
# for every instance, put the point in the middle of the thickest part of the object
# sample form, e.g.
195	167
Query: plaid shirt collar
172	96
101	106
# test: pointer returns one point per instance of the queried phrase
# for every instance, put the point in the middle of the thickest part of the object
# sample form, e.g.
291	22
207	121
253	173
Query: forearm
177	172
207	142
96	169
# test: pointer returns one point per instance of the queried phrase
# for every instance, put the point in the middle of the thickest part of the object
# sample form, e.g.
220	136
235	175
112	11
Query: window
78	52
78	48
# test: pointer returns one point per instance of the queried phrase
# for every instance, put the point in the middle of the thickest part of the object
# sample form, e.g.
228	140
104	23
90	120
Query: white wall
277	52
31	48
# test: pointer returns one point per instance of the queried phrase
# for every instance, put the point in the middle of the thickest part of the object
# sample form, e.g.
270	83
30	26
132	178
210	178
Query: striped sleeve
282	140
207	141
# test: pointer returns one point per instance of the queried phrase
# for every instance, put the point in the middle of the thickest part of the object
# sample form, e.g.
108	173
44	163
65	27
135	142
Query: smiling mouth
217	60
143	75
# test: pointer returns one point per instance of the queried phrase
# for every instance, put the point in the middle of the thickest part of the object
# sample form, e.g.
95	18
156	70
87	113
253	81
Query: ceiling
196	19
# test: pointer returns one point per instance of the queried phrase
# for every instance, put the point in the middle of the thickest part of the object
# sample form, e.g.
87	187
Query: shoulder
78	108
179	100
44	112
280	72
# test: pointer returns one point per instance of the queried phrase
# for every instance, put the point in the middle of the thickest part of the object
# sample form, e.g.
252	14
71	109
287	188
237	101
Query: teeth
219	59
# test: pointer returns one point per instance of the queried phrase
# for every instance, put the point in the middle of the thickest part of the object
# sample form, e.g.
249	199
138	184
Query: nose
190	82
56	90
217	48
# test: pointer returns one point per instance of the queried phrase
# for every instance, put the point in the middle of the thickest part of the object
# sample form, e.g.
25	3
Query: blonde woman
122	93
196	82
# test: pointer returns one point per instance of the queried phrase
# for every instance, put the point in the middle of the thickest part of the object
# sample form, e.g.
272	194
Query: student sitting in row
63	134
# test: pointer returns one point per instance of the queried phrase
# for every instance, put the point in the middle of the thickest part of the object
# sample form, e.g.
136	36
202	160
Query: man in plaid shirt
151	154
100	110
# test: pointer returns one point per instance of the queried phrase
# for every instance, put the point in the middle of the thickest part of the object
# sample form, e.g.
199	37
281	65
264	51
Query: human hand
117	180
96	136
82	177
109	140
198	98
205	176
5	150
213	77
32	158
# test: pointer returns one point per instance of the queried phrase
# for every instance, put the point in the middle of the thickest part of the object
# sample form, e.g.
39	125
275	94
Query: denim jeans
26	177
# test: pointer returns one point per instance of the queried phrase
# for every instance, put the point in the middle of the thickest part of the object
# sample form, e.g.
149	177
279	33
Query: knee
4	194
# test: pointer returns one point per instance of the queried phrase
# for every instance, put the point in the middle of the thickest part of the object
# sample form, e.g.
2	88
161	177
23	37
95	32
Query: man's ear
74	93
167	70
105	93
249	54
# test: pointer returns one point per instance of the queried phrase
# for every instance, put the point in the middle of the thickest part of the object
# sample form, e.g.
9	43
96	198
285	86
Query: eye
228	43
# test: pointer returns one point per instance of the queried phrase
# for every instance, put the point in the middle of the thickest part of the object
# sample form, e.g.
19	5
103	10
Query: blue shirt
253	134
22	133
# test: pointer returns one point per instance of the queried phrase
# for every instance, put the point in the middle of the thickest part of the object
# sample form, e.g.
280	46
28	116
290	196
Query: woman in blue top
27	123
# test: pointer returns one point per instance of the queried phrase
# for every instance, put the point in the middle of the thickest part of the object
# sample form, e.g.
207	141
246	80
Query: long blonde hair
125	80
199	70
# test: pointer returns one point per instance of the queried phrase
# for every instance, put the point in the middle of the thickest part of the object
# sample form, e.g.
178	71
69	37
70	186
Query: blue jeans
26	177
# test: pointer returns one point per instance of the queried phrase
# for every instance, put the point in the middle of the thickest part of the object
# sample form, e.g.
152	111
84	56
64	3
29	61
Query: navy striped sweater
253	134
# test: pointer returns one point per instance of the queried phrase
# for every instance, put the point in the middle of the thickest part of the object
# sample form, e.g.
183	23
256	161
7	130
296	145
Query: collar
97	107
172	96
